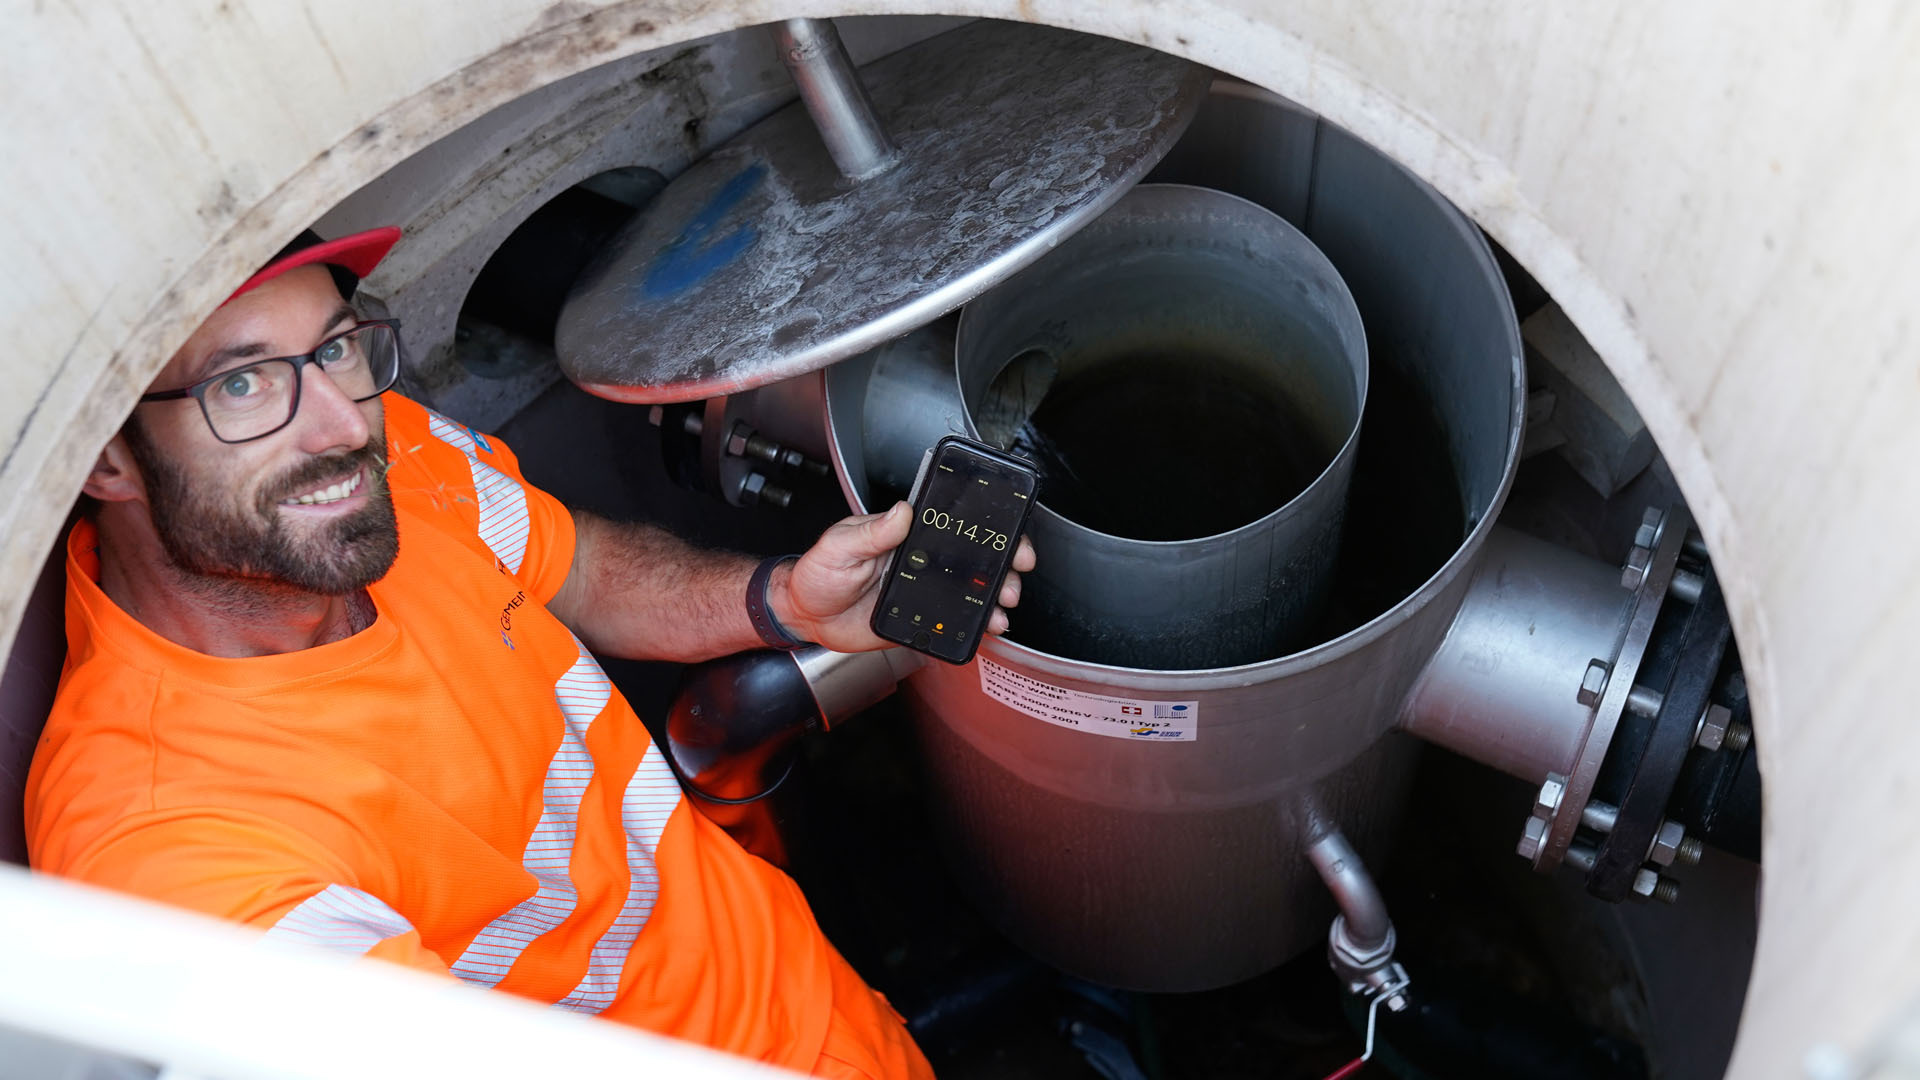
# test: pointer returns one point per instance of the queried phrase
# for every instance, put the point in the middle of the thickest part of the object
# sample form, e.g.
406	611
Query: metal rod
1599	816
834	97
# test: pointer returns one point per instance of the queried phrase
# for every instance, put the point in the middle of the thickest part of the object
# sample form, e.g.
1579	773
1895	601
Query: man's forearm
640	592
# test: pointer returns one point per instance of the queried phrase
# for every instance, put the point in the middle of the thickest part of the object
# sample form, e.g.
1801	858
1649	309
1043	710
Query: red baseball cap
350	257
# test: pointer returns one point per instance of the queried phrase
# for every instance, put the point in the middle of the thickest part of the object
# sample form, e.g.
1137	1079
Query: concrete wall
1719	194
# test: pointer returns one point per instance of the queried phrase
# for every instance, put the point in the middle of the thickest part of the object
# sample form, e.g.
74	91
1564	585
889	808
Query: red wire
1348	1069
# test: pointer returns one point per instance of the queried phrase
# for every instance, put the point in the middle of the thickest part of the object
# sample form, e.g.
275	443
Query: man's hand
827	597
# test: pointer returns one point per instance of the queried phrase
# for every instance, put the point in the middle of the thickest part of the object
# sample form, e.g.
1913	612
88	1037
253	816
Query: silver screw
1648	884
1552	790
1532	839
1644	882
1689	851
1648	534
1711	732
1666	843
1638	560
1594	682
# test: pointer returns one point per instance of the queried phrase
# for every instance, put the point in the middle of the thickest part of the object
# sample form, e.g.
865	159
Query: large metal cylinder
1198	371
1139	827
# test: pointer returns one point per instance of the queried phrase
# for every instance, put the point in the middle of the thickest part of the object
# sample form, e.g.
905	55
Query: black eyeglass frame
198	390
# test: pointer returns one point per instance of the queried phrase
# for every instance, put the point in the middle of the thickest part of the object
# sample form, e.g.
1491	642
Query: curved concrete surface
1720	197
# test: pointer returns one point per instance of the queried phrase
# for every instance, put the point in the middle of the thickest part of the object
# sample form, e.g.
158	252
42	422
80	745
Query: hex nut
1644	882
1712	731
1666	843
1638	560
1532	839
1546	802
1594	682
1649	531
737	443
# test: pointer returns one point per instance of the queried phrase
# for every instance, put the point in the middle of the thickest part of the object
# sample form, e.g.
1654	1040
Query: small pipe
1352	887
834	97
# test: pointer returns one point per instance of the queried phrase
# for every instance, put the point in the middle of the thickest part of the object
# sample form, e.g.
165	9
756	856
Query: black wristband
761	615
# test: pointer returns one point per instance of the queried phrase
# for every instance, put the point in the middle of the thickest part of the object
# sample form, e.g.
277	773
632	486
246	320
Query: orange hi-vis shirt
457	787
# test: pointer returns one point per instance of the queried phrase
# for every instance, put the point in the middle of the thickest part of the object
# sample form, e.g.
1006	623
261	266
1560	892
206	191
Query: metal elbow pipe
1361	906
1361	941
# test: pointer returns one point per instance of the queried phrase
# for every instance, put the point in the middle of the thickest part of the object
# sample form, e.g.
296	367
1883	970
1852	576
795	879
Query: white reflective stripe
341	918
582	693
650	799
504	524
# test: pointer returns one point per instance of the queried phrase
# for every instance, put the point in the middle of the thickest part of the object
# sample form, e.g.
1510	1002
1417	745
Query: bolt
1711	732
1689	851
1552	790
1686	586
1648	534
1582	856
1644	882
1532	839
1599	816
1636	569
1738	736
1594	682
1397	1003
1649	885
1645	701
737	442
1666	843
1695	545
656	414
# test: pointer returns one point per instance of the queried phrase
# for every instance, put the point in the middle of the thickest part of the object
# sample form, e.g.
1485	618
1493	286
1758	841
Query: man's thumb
884	532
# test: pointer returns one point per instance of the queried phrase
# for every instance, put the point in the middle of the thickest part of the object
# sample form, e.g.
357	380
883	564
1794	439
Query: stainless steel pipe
834	97
1505	687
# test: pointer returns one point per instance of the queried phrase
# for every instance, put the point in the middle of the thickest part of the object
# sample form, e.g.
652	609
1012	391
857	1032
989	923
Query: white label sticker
1120	718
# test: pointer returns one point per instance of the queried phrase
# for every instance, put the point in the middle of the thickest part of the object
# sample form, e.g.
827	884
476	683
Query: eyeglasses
261	397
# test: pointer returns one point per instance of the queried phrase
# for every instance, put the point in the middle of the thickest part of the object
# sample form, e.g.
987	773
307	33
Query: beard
224	540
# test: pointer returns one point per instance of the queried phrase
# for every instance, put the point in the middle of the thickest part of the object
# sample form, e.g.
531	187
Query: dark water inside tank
1405	514
1170	446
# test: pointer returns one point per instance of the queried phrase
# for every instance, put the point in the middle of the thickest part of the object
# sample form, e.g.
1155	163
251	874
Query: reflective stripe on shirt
341	918
504	524
650	799
581	693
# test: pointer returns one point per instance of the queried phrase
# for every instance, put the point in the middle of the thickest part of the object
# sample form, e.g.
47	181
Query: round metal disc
762	262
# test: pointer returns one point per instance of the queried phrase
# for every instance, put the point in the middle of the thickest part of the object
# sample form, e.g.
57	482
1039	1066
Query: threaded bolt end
1689	851
1738	736
1666	890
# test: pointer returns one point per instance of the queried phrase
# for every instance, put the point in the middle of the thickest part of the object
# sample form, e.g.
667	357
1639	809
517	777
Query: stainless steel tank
1188	373
1144	828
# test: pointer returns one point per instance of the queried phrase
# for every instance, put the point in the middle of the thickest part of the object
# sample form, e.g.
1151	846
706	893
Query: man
329	674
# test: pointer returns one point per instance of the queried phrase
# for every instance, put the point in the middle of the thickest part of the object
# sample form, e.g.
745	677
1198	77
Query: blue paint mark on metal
695	255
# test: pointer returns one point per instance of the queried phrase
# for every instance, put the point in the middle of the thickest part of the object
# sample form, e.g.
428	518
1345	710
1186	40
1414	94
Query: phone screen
943	581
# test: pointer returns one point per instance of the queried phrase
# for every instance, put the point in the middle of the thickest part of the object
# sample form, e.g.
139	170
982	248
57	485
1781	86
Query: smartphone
970	505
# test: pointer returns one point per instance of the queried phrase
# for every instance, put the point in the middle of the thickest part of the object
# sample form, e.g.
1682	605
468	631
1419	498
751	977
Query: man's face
306	506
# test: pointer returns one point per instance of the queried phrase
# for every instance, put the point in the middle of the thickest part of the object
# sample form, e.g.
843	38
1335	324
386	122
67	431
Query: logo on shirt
506	616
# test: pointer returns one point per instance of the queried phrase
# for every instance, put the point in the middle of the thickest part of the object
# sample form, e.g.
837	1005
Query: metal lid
762	262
